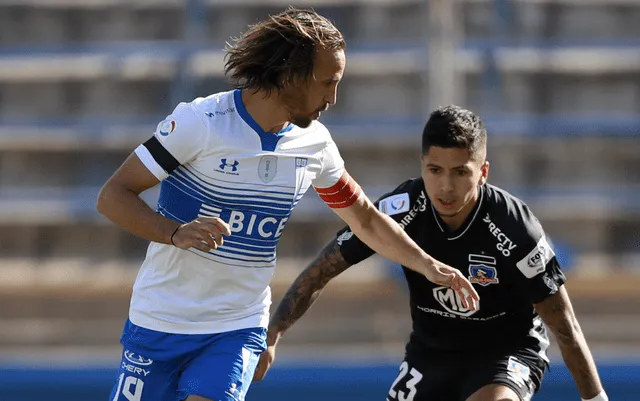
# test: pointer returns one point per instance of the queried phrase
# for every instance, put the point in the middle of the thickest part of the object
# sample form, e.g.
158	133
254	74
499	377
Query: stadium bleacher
83	82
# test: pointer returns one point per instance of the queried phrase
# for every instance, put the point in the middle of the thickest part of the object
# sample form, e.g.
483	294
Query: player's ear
485	172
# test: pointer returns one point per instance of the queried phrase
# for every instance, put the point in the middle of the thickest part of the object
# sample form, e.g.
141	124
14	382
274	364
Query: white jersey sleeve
177	140
332	167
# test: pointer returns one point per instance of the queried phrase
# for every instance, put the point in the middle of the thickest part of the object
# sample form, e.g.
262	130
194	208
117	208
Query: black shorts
446	376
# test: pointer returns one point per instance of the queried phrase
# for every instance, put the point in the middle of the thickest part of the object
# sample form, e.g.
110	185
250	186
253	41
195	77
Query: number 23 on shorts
410	378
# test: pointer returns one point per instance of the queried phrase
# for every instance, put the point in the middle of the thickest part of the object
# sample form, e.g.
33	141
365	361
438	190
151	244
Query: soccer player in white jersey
236	164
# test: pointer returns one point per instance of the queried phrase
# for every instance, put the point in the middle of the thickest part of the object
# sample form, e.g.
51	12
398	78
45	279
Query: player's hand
203	233
448	276
266	359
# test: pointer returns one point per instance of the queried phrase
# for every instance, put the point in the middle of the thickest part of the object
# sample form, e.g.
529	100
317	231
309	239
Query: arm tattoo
557	312
308	286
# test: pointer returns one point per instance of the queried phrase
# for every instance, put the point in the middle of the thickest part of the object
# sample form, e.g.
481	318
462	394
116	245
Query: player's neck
267	111
455	222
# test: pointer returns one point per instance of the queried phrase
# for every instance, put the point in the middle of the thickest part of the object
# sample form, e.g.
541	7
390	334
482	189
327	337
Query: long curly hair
275	52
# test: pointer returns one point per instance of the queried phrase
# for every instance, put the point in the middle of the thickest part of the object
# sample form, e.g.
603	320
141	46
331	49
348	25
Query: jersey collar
269	140
460	231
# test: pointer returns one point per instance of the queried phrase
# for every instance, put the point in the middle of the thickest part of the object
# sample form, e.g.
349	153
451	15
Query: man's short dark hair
454	127
276	51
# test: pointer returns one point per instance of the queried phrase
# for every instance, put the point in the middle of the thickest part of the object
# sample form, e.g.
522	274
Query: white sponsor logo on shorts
520	374
137	359
518	367
135	369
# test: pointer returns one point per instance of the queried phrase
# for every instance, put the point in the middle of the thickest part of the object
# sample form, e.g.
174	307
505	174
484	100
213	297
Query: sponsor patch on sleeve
536	260
167	127
394	204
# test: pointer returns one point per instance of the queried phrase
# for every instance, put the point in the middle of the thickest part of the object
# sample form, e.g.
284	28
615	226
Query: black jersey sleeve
536	269
397	204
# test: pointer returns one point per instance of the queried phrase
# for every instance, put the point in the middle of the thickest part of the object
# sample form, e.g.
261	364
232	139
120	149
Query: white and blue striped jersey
214	160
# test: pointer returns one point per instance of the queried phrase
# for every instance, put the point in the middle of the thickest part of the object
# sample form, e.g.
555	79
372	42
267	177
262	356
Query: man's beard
302	121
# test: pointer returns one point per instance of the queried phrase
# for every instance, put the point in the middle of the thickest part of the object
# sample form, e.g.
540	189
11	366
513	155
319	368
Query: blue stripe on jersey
169	215
228	192
180	205
270	257
248	185
253	241
246	204
230	262
256	216
269	140
240	244
233	261
251	228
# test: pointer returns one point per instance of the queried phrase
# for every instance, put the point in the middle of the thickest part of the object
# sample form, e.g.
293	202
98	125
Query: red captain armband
343	193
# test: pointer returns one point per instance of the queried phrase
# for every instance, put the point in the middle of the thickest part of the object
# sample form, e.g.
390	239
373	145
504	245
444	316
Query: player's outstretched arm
301	295
120	202
382	234
556	311
306	289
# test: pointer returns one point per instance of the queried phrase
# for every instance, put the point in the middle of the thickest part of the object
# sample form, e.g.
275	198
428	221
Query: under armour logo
234	165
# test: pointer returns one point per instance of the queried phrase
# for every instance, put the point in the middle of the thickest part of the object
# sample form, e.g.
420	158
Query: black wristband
174	233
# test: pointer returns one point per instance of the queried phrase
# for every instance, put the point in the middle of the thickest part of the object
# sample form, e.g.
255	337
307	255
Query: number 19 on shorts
130	387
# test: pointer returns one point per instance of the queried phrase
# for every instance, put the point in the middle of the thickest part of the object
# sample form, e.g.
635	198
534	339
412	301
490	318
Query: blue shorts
159	366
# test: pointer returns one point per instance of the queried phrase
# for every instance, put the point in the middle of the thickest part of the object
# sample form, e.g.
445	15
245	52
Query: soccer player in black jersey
494	239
